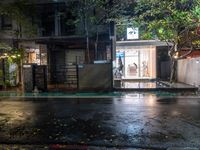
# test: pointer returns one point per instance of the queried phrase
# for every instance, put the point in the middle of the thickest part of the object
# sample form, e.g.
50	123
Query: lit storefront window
36	55
32	56
139	61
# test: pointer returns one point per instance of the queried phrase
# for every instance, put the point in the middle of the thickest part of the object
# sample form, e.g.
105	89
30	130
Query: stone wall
95	77
189	71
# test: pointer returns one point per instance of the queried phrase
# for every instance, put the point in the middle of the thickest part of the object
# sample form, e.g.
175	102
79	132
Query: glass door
144	63
132	64
137	64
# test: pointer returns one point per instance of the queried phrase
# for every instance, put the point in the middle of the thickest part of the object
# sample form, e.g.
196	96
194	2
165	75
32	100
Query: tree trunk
96	44
21	72
172	51
87	52
173	77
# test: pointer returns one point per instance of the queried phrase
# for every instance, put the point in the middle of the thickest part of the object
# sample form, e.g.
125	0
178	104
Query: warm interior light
175	56
13	56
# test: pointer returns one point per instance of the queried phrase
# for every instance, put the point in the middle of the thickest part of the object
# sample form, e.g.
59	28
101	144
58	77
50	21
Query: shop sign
80	66
27	66
132	33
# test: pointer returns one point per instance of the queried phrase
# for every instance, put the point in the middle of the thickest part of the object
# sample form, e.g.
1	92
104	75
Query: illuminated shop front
34	53
138	60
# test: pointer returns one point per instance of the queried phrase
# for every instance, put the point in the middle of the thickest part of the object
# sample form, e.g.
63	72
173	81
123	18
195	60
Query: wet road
123	121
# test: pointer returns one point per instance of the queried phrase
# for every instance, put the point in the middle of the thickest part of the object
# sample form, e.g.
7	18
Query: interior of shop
136	62
34	53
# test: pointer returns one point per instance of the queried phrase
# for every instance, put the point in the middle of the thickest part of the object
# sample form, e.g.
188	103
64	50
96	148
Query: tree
9	56
20	11
92	13
172	21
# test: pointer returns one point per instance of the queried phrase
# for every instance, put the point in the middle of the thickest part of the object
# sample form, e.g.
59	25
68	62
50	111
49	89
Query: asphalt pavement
125	122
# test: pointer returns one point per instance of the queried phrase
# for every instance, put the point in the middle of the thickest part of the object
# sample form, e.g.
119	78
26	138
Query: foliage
21	12
11	56
4	46
173	21
91	14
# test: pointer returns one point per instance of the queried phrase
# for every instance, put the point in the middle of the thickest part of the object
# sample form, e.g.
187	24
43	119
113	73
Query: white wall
188	71
94	77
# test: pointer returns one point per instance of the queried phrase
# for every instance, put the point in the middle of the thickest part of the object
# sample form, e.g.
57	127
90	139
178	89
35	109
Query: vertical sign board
132	33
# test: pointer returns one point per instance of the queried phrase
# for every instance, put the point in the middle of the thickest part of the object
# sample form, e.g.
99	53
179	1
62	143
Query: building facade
142	59
61	40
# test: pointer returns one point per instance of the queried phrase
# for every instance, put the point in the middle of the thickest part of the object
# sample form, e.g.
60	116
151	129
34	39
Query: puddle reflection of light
151	100
131	122
17	112
175	113
133	95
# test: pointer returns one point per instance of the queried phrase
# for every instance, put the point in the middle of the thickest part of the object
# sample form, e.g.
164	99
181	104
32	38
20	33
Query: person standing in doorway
120	65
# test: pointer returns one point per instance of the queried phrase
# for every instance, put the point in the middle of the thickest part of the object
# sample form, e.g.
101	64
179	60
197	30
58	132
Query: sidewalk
131	85
119	86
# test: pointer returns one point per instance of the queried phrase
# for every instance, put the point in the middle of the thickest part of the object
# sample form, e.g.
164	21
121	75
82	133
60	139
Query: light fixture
197	61
13	56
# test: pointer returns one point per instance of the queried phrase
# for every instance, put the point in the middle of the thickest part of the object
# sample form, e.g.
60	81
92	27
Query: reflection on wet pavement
139	84
126	121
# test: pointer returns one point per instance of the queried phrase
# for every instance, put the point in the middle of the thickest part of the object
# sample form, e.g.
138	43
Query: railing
66	77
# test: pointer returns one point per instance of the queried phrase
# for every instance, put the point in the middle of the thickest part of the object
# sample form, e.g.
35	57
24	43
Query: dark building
61	41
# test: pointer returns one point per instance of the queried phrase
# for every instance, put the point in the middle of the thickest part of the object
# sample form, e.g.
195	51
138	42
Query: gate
66	77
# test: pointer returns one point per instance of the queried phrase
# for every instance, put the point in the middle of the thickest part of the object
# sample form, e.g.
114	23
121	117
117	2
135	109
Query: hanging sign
132	33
